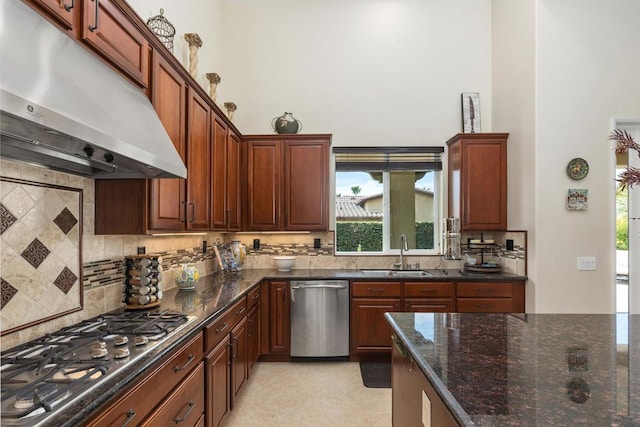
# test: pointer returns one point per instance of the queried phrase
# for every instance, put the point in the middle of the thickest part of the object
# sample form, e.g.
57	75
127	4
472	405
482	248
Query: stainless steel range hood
62	108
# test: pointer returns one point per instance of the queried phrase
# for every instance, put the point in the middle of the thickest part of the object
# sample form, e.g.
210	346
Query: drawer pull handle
484	305
221	328
256	296
428	291
376	289
69	7
488	290
240	311
92	28
130	416
189	360
192	405
235	356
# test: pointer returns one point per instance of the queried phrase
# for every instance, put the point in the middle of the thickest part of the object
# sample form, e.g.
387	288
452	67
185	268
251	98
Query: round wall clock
577	168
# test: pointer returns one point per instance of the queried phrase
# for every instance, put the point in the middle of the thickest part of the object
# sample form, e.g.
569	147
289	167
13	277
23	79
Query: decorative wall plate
577	168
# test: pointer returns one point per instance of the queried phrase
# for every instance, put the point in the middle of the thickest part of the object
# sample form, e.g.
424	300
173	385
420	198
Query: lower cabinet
414	402
155	392
218	384
239	359
279	318
430	297
184	406
490	297
253	336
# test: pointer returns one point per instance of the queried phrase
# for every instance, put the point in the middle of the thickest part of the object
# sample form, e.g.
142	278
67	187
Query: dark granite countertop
529	369
212	295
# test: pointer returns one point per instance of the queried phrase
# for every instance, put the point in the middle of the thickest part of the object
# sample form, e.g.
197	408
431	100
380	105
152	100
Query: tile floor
310	394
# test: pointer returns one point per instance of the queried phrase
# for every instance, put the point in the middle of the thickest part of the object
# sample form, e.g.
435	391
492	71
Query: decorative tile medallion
6	218
41	264
65	220
65	280
8	292
35	253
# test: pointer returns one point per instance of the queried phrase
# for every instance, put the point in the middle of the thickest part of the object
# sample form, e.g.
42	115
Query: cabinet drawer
184	406
253	298
133	406
220	328
428	289
429	305
489	289
376	289
484	305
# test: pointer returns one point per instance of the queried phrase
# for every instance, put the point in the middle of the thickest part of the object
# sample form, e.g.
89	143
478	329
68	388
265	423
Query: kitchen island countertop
528	369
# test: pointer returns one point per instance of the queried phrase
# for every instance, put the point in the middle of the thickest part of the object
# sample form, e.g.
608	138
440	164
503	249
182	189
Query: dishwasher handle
316	286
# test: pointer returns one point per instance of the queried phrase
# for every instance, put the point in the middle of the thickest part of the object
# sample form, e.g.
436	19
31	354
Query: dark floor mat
376	374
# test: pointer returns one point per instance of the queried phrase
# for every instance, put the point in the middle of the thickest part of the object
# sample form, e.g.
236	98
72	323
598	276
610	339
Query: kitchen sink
396	273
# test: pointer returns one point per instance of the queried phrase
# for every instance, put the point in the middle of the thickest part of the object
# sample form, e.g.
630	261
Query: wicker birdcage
163	29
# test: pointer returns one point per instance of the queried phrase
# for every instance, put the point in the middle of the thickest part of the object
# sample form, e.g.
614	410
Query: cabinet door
185	405
253	336
198	163
306	166
218	383
478	180
63	11
239	358
233	181
169	98
219	174
429	305
263	186
370	332
110	33
279	318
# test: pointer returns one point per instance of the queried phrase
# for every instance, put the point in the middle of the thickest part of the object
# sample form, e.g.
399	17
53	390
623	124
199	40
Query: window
385	192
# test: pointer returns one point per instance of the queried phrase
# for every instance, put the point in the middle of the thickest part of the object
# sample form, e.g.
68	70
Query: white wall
586	73
371	72
203	17
513	105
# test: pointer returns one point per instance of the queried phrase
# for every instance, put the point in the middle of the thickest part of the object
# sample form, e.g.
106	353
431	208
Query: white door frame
632	125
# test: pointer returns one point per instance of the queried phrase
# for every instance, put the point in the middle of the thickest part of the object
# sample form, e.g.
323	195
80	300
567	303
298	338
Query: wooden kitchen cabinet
198	163
63	12
184	406
225	180
477	178
490	297
154	390
370	331
169	98
410	389
429	297
108	31
253	326
287	182
279	327
239	359
218	383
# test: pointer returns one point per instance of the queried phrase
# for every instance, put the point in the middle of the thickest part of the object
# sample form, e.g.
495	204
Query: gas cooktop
42	377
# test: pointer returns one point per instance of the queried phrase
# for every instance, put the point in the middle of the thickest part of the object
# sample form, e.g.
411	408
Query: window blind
388	158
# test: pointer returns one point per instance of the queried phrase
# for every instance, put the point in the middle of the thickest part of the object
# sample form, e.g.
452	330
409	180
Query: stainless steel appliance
320	318
44	376
62	108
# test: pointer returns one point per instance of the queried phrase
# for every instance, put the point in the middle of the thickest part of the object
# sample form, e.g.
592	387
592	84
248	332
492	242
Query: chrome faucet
403	247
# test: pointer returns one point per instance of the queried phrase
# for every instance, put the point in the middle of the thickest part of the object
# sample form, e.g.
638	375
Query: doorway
628	228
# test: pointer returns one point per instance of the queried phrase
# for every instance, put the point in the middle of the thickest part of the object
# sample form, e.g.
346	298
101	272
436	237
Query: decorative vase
286	124
239	253
187	276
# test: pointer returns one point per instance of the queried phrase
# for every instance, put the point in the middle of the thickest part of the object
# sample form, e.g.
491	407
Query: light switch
586	263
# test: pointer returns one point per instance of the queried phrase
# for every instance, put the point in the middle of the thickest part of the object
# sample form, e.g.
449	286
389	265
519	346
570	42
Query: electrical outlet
141	250
586	263
204	246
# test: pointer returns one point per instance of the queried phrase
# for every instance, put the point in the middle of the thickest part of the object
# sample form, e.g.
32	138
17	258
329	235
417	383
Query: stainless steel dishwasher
320	319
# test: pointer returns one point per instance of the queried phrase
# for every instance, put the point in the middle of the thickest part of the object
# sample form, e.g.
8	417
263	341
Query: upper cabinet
478	180
225	188
198	163
63	12
110	33
287	182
